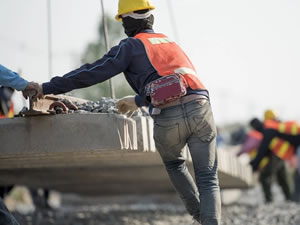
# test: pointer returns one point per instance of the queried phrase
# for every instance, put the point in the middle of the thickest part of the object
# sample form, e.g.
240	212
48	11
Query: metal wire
173	20
111	85
49	42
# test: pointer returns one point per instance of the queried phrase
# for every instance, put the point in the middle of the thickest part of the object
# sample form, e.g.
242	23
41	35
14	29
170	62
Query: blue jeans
191	123
5	216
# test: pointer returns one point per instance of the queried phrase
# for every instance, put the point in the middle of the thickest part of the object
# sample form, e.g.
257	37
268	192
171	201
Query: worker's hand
126	105
33	90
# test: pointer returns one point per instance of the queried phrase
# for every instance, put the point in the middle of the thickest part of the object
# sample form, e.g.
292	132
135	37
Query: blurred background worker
291	167
270	166
149	61
275	168
280	140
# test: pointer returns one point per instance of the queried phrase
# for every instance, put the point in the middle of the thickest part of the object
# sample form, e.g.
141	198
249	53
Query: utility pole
173	21
111	86
49	41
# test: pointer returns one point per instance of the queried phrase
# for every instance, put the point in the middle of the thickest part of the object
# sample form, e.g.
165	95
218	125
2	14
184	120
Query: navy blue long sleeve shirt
129	57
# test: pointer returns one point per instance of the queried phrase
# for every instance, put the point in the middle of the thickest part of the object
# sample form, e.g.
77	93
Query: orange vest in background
168	58
283	149
289	127
11	112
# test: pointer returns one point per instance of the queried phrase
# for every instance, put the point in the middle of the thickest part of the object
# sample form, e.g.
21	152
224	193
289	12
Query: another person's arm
11	79
248	145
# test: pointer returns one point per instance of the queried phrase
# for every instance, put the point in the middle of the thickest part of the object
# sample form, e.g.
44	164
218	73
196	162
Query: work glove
126	105
33	90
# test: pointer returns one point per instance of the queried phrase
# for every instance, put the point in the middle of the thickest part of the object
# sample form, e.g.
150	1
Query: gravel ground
159	210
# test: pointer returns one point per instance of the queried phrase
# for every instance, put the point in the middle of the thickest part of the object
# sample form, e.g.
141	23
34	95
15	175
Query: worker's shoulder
130	43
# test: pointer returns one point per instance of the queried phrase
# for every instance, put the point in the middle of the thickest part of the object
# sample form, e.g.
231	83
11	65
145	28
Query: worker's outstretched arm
11	79
111	64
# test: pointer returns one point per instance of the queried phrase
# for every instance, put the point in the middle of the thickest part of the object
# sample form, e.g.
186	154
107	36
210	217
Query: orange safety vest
253	152
283	149
289	127
11	112
168	58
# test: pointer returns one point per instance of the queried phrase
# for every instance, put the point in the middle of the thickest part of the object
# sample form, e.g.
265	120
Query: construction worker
293	163
279	143
149	61
268	167
272	166
276	167
10	80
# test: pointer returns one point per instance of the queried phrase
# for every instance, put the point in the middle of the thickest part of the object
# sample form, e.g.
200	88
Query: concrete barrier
94	154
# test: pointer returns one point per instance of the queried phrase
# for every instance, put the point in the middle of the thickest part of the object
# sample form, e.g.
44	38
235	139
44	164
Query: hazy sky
246	52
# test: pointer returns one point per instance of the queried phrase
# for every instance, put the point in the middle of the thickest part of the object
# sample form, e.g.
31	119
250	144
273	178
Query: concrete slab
66	133
151	142
142	133
93	154
131	172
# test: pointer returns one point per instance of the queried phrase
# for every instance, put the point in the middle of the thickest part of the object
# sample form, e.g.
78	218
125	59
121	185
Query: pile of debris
103	105
63	104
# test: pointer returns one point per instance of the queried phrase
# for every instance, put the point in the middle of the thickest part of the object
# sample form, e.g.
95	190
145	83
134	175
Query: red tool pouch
166	89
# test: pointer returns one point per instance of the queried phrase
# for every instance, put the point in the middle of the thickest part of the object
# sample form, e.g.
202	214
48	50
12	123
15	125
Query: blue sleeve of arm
111	64
11	79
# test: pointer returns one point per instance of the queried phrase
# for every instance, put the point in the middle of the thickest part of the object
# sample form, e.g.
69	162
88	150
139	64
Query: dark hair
256	124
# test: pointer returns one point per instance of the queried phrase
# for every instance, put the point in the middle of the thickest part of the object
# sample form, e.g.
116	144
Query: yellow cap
270	115
127	6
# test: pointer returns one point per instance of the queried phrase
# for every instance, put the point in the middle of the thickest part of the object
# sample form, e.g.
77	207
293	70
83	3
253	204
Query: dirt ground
153	210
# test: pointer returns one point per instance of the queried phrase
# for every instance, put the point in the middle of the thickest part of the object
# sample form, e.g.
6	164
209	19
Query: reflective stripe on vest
168	58
290	127
263	162
156	41
283	149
